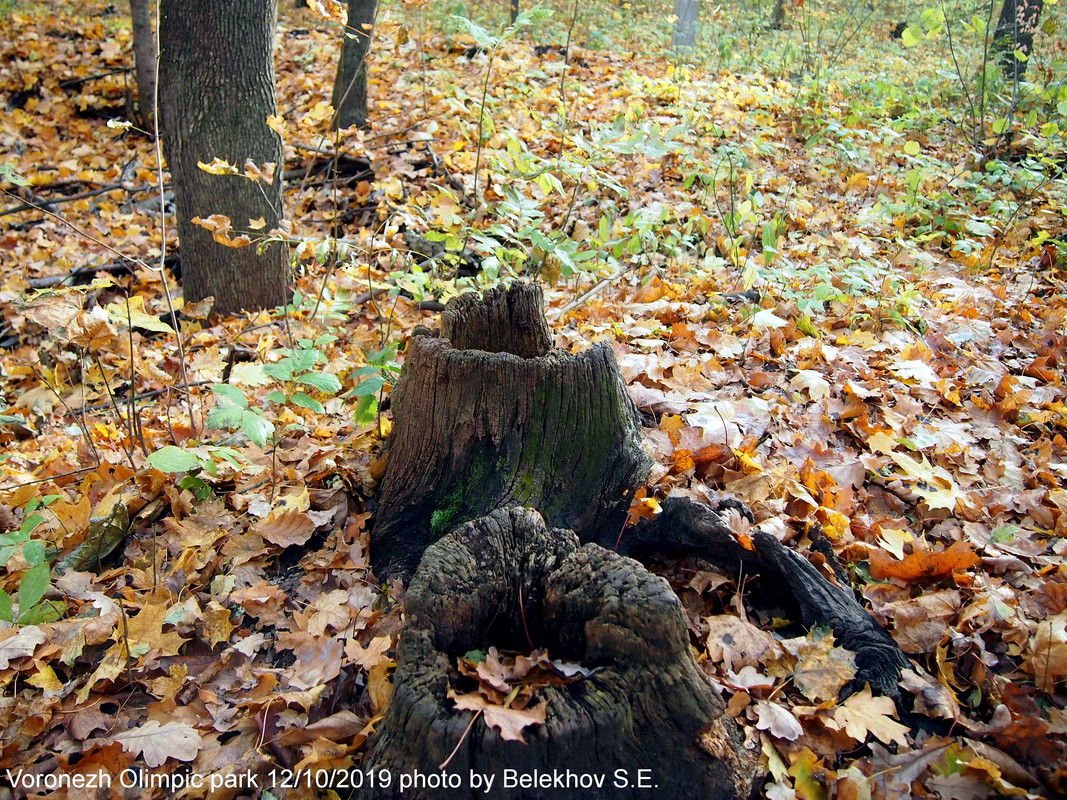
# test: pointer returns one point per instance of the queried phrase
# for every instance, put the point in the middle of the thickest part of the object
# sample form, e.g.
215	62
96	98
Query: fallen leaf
510	722
156	743
862	714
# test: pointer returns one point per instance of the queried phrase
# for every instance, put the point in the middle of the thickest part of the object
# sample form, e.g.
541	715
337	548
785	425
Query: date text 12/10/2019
400	782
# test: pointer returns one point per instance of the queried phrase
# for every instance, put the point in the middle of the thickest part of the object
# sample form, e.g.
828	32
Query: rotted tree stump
488	415
507	580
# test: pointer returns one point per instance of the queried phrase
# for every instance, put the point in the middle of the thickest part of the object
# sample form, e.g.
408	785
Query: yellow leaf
863	714
276	124
218	167
45	678
257	224
881	443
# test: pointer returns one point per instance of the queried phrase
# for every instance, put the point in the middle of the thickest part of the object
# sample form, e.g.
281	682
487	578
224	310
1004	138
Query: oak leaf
156	743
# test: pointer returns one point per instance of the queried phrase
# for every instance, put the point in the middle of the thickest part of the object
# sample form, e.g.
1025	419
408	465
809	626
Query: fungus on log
488	415
505	579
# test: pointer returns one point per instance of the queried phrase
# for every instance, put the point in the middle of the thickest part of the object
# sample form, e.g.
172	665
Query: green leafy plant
381	366
193	462
295	371
37	580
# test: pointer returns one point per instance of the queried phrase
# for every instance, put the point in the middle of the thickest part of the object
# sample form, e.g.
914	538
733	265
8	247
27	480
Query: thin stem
455	749
163	233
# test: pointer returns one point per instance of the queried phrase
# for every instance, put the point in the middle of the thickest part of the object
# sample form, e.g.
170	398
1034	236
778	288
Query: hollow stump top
488	415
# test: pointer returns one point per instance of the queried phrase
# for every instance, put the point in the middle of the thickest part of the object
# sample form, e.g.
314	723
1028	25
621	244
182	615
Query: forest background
826	248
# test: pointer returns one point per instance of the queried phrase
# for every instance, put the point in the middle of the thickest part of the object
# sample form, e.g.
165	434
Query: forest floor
824	301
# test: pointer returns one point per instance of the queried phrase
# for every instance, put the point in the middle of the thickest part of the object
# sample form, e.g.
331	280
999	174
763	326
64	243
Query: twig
29	206
86	273
146	395
80	232
455	750
73	82
163	235
46	480
604	282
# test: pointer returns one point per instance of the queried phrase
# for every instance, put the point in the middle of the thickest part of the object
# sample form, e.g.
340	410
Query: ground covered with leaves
836	302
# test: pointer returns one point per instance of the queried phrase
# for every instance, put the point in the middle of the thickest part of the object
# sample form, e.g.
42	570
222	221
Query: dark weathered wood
686	527
350	85
878	659
507	580
491	417
1015	30
144	59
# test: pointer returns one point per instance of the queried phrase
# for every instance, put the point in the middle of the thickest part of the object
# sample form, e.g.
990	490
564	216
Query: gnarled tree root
686	528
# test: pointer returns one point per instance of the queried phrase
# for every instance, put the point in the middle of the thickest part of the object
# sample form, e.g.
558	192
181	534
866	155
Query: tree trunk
505	580
686	13
778	17
489	415
144	59
514	11
1015	31
350	85
216	92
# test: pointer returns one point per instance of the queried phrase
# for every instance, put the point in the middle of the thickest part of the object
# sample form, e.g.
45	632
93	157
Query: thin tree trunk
350	85
144	59
686	13
779	15
514	11
1015	32
216	92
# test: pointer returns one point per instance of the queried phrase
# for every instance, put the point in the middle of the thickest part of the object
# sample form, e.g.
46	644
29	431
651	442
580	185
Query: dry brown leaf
862	714
510	722
1048	645
285	528
823	669
156	743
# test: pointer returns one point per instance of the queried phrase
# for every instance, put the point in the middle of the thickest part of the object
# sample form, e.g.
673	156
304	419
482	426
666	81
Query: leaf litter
901	397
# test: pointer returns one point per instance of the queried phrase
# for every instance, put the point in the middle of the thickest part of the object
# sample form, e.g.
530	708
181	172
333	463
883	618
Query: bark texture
216	92
488	416
350	85
688	528
507	580
144	59
686	16
1015	31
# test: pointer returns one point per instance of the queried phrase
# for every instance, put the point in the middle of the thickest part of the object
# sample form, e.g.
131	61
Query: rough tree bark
1015	31
144	60
507	580
492	427
685	528
350	85
488	415
686	14
777	16
216	77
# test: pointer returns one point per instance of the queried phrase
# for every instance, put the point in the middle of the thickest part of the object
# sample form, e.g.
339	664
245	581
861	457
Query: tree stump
507	580
488	415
